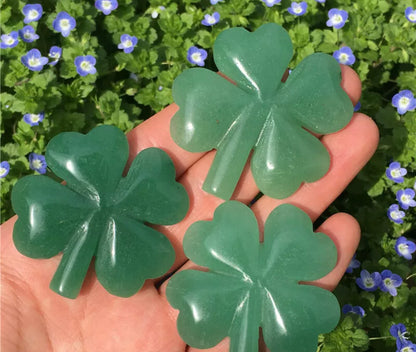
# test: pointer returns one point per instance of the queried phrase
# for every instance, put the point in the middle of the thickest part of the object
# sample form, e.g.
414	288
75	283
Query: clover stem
229	162
75	261
245	334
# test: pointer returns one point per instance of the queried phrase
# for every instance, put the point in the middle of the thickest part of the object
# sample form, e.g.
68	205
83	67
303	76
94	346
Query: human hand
37	319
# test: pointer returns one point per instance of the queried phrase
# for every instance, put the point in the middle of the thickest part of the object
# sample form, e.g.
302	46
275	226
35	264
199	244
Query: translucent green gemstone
251	284
259	112
99	213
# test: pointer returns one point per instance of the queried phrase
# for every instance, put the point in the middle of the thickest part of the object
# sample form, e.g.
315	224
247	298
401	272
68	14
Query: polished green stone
259	112
251	284
99	212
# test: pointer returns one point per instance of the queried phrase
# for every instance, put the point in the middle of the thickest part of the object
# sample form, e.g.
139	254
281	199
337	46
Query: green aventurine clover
260	112
100	213
251	284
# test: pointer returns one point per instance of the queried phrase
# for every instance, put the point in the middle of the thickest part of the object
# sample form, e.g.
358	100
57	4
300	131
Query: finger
155	132
349	150
351	83
345	232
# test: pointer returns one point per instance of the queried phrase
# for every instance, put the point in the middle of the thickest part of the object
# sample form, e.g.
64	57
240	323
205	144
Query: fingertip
344	230
351	83
371	130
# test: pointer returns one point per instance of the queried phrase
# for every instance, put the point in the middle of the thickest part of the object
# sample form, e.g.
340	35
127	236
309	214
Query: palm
37	319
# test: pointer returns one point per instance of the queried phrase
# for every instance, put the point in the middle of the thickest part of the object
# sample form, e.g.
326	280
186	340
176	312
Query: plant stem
381	338
410	276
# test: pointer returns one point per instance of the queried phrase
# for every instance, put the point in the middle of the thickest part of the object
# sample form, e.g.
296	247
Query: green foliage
129	88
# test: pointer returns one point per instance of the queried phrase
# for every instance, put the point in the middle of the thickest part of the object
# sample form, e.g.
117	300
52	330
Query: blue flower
33	119
64	23
210	20
127	43
395	173
354	264
410	14
55	54
85	65
405	346
298	9
9	40
27	33
404	101
348	308
344	56
270	3
404	247
389	282
32	12
405	198
34	60
215	2
38	163
196	56
337	18
399	331
4	169
395	214
368	282
106	6
357	107
321	1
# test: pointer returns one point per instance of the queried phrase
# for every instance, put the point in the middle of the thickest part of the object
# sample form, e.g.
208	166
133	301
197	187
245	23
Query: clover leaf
251	284
260	112
100	213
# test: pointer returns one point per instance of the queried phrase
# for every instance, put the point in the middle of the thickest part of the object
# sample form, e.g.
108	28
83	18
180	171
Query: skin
34	318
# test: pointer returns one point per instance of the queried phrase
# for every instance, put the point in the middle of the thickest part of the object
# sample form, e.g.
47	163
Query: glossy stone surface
251	284
99	213
259	112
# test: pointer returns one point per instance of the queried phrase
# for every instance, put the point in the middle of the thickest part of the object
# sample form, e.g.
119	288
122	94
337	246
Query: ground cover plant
69	66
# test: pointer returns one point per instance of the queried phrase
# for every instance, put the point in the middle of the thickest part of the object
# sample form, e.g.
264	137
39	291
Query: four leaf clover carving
251	284
100	213
259	112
